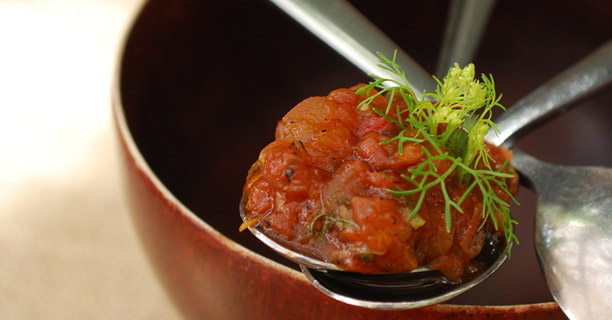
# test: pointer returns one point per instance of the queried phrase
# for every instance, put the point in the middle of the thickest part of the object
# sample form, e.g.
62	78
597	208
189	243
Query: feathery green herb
454	120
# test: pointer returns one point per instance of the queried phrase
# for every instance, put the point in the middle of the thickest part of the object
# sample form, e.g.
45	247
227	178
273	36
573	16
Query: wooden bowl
198	92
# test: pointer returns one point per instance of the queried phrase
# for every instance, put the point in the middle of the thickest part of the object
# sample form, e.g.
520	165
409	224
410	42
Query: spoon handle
352	35
578	81
466	22
529	166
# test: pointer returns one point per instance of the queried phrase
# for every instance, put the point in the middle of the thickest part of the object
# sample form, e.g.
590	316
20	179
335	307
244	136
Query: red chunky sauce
323	184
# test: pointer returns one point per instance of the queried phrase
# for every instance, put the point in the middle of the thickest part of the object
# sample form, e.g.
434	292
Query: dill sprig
453	120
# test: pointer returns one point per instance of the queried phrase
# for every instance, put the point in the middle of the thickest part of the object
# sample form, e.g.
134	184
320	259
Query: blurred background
67	246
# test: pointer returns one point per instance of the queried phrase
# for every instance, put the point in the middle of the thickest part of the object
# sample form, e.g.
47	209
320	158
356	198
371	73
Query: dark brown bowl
201	85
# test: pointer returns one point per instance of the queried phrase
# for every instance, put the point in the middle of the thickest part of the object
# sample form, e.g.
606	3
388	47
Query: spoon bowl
573	234
418	288
387	291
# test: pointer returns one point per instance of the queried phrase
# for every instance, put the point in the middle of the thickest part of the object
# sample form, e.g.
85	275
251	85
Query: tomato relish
324	184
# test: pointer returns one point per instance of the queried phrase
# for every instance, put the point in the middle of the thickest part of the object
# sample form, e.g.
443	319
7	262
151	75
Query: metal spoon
418	288
346	30
466	22
573	223
573	234
320	17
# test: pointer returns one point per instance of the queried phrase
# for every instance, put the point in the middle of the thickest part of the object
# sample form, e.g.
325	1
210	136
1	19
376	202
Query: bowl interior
204	83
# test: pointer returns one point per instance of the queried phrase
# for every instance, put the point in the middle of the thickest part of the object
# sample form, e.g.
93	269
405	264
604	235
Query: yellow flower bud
477	94
456	118
441	114
479	131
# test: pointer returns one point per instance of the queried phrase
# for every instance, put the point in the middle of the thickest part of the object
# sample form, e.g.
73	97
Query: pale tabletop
67	246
